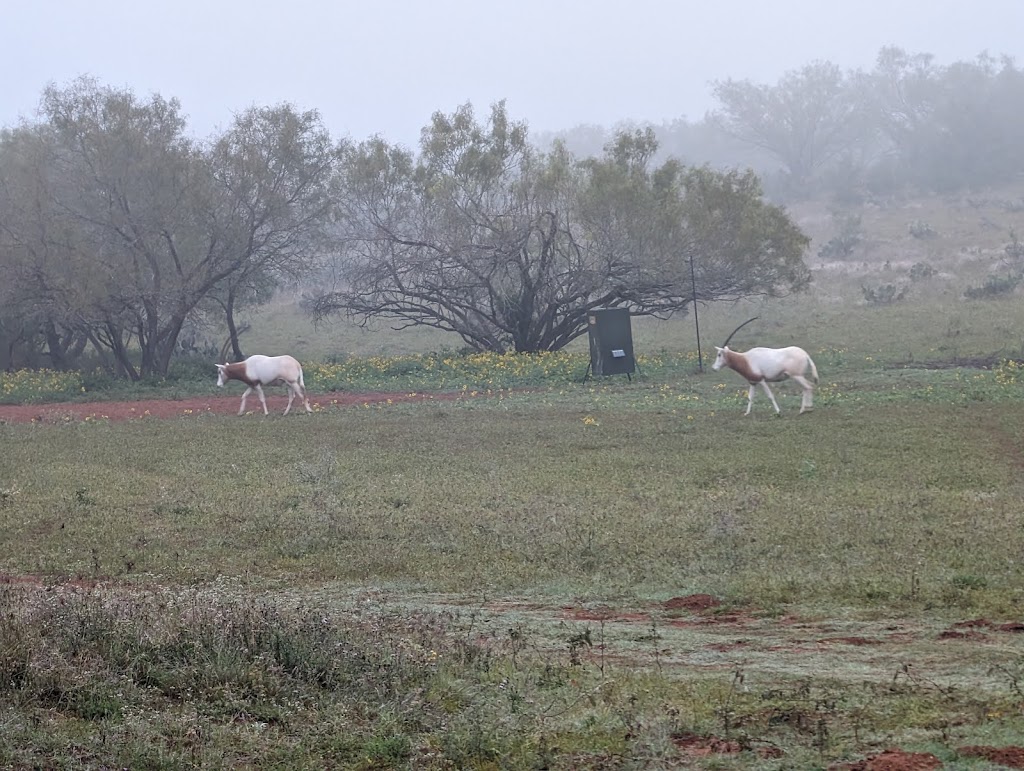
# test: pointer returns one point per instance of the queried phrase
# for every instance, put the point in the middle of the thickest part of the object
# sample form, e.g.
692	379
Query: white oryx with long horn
258	371
769	365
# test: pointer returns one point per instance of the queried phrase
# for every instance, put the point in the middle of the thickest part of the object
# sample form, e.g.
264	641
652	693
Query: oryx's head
222	375
720	357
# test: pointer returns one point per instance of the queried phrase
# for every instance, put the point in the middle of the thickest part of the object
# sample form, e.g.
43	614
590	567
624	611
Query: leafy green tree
125	226
133	190
274	168
739	245
45	289
510	248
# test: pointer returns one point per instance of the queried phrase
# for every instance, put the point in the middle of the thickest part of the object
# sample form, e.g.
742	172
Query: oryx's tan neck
237	371
738	362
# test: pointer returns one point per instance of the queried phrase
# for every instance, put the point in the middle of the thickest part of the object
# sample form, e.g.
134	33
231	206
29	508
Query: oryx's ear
221	366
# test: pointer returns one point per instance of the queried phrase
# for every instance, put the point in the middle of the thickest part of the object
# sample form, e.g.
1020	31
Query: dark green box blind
611	342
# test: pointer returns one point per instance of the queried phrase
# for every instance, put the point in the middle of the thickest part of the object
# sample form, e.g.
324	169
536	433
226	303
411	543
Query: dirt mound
893	760
692	602
1011	757
694	746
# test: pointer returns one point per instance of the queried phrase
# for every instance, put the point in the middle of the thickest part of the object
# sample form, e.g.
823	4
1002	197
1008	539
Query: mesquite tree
484	236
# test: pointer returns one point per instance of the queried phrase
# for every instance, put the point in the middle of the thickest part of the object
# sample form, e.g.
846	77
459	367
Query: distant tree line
909	125
121	235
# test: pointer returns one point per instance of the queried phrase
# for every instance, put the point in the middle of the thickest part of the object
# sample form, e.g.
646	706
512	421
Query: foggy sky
384	66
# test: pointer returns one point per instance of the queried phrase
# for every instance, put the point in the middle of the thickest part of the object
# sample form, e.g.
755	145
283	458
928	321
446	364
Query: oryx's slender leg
291	398
245	395
301	391
807	402
767	390
750	399
263	399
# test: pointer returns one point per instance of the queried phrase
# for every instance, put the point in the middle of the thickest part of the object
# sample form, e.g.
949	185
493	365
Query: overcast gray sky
384	66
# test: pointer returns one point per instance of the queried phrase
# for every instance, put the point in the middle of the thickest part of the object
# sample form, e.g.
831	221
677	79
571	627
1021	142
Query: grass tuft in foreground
162	678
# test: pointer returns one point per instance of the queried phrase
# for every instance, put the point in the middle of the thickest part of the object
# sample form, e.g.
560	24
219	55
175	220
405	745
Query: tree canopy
485	236
908	124
116	227
807	120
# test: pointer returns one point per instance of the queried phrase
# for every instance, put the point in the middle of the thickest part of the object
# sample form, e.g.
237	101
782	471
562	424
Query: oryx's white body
258	371
771	365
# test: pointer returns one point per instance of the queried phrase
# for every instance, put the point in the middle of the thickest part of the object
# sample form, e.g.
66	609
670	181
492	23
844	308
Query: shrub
1008	372
842	244
192	368
1014	250
922	230
994	286
25	386
921	271
884	294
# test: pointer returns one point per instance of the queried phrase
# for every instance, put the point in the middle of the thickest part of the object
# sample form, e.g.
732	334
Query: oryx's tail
814	370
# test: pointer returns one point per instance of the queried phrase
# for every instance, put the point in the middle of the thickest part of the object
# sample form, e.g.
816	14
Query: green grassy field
548	574
440	545
631	490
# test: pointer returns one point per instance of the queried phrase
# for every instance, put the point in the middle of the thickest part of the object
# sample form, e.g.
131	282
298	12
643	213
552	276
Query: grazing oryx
770	365
258	371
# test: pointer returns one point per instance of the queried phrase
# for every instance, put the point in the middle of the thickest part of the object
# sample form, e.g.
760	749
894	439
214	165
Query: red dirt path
70	412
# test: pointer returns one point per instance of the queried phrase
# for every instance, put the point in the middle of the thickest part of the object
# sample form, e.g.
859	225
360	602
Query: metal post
696	321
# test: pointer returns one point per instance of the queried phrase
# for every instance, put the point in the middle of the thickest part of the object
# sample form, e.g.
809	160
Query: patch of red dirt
73	412
1011	757
66	581
731	618
960	634
702	746
984	623
710	620
892	760
792	649
725	647
696	602
695	746
6	578
900	637
602	614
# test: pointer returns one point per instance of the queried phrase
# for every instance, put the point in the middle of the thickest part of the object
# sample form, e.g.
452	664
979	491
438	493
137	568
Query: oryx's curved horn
738	329
224	350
